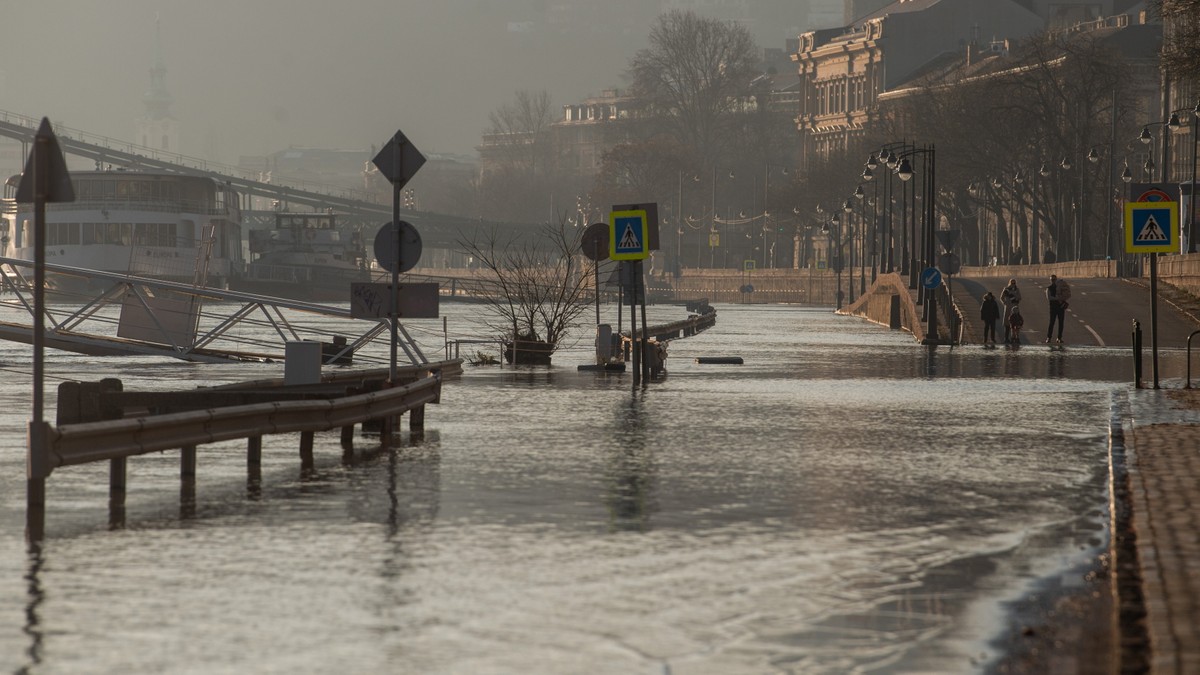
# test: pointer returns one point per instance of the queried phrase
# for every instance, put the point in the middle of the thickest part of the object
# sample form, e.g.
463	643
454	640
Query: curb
1131	653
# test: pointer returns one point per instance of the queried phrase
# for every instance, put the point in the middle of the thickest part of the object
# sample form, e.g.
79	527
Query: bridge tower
157	128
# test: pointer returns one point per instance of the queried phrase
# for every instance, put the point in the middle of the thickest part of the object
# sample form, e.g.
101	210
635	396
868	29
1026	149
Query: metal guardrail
117	439
74	444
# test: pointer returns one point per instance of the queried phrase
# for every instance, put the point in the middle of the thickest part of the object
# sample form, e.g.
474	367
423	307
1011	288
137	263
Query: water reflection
631	473
35	596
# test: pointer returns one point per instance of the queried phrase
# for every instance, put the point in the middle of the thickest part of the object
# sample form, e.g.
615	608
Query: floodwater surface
846	501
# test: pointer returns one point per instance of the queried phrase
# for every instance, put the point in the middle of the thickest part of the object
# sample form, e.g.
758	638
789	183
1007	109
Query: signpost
931	278
629	242
1152	227
45	179
398	161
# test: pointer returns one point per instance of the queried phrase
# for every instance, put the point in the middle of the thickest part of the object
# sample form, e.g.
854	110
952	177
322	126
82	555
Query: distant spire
156	99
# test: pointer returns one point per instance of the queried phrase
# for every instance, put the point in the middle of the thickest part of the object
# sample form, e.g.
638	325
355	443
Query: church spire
157	128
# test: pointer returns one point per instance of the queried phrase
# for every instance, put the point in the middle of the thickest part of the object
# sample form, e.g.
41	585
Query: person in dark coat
989	311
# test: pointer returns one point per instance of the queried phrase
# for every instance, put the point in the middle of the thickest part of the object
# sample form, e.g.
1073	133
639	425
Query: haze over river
845	500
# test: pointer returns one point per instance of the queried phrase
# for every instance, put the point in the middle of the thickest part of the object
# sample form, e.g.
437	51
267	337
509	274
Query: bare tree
521	128
541	288
1014	116
517	159
693	77
1181	37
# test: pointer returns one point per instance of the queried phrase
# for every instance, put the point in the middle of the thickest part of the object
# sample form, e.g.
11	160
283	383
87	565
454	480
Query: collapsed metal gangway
126	315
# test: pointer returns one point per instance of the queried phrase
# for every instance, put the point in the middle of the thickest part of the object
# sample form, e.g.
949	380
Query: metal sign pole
1154	316
392	312
35	492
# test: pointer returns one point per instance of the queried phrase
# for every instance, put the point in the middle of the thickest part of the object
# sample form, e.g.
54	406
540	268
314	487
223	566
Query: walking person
1057	293
989	311
1009	297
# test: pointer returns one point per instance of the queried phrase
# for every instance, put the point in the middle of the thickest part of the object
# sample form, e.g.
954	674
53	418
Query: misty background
251	78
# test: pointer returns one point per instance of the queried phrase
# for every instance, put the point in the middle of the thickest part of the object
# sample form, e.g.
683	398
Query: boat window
62	234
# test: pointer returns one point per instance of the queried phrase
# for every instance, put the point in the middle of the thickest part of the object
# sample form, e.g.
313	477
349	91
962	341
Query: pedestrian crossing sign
1152	227
628	235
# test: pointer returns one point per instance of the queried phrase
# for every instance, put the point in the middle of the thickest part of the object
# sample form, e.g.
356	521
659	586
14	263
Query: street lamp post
868	174
905	172
1177	126
835	235
848	208
862	241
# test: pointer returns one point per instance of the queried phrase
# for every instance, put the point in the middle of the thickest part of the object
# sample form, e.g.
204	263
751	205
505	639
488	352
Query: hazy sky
250	77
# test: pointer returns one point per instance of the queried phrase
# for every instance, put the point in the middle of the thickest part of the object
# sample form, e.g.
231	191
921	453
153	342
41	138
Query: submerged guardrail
337	402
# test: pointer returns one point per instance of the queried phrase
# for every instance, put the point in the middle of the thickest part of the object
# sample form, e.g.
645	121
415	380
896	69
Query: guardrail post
254	451
116	481
187	463
416	418
306	450
348	438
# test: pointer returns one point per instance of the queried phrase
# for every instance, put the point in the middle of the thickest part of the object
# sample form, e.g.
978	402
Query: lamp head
858	192
1173	123
1066	163
873	163
867	174
1044	170
1145	136
1125	174
904	170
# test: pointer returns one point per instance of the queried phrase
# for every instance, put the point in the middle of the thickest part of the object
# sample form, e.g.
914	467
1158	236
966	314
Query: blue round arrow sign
931	278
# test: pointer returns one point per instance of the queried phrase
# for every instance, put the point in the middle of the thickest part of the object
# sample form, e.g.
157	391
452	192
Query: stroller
1015	323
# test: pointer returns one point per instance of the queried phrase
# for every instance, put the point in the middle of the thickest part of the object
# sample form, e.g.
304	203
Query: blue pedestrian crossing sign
1152	227
628	235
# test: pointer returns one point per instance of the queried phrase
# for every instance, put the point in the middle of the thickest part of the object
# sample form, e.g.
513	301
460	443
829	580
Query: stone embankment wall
1182	271
812	287
1083	269
890	303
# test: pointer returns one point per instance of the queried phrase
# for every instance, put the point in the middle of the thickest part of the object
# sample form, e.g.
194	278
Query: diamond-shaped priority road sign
46	176
399	159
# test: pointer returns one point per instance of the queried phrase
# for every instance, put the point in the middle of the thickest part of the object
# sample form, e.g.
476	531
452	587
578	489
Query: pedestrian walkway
1163	447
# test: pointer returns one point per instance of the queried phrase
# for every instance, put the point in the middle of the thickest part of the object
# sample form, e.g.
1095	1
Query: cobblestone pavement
1164	491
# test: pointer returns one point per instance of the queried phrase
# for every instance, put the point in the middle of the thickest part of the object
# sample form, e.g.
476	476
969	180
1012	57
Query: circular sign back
949	263
595	241
397	246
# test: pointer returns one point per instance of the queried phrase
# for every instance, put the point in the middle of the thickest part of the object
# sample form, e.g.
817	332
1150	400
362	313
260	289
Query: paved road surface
1101	311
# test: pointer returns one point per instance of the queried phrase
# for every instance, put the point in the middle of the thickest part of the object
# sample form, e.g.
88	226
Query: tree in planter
541	288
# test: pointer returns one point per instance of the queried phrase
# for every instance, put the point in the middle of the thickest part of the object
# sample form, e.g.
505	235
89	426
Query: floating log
604	367
735	360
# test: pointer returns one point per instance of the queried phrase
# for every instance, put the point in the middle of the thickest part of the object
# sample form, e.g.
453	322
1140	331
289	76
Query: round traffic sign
949	263
397	246
931	278
594	241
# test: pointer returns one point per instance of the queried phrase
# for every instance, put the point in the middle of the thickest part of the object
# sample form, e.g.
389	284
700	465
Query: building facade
844	71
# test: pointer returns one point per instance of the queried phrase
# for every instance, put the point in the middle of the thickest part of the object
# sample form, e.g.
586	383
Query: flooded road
844	501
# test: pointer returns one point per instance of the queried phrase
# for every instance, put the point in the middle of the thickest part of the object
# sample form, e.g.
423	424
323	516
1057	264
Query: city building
843	71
